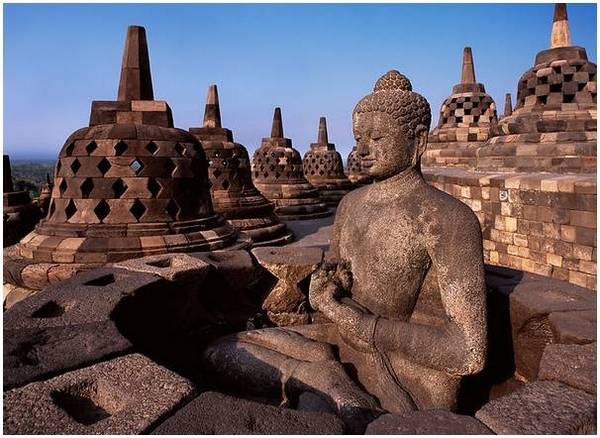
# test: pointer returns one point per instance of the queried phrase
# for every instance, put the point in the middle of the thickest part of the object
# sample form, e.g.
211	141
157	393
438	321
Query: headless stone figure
391	241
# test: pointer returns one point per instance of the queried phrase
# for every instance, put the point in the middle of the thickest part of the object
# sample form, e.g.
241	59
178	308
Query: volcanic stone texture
127	395
428	422
213	413
541	408
574	365
542	223
285	303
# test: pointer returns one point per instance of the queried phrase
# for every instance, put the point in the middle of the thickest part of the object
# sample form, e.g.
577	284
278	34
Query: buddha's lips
366	163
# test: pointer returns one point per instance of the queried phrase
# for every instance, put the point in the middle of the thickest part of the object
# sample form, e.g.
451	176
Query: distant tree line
30	175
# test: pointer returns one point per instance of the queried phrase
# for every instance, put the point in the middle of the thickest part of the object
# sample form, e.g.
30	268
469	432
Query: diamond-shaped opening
69	149
179	149
91	147
119	187
71	209
172	209
154	187
169	167
225	184
62	187
217	173
102	210
136	165
75	165
138	209
104	166
151	147
120	148
86	188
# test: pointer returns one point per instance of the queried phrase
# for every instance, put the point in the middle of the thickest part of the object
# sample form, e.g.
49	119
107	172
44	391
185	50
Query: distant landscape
30	174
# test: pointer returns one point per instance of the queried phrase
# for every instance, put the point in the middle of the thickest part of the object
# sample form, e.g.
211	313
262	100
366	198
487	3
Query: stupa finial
468	69
507	105
561	34
136	81
323	137
212	111
277	128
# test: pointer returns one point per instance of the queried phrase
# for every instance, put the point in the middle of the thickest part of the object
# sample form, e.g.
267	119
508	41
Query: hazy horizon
312	60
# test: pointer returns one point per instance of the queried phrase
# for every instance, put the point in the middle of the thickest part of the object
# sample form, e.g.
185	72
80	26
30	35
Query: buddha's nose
362	149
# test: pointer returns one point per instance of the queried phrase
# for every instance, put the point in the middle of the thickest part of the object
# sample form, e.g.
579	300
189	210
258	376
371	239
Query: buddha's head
391	126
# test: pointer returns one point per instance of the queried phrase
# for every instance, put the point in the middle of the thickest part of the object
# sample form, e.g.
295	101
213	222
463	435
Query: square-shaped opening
89	401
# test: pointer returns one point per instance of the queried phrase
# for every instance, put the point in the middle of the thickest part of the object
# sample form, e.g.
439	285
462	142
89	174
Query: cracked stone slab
541	407
428	422
219	414
574	365
126	395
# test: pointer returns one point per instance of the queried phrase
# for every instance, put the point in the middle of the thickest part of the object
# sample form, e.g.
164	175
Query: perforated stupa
277	173
129	184
234	195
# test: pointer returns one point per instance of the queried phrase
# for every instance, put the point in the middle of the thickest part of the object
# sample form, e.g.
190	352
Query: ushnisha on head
391	126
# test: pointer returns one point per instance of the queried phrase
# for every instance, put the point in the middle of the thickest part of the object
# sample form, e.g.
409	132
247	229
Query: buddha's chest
388	258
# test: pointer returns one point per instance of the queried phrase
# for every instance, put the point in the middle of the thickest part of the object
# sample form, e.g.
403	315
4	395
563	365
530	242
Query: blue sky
311	59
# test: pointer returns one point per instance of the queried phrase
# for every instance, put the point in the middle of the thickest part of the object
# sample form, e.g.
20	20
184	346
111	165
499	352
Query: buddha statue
392	242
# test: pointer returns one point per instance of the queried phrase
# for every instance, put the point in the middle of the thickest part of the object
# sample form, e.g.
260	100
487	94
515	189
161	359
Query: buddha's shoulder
447	206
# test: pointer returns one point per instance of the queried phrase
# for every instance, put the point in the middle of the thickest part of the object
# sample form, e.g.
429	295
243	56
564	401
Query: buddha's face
383	148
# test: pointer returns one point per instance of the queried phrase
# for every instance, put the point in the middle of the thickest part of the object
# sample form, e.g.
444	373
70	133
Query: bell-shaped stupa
355	171
20	214
467	119
552	127
234	196
129	184
323	168
277	173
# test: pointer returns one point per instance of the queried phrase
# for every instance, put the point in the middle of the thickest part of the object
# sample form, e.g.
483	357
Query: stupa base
267	231
295	201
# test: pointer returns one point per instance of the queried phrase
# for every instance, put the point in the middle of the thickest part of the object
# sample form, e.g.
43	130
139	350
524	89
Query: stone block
68	324
574	365
213	413
123	396
542	407
575	327
428	422
530	307
180	268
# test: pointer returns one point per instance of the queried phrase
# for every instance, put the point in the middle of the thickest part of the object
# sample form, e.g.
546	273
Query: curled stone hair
393	95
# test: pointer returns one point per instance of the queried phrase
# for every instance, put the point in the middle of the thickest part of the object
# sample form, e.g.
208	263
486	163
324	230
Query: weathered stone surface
13	294
125	396
212	413
429	422
286	303
69	324
577	327
530	307
541	407
574	365
181	268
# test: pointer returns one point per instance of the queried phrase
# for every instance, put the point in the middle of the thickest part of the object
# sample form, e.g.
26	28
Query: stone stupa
354	170
234	196
507	105
129	184
277	173
323	168
20	214
552	127
467	120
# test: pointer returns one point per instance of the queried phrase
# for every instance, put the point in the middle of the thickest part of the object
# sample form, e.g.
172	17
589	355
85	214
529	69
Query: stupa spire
507	105
136	81
212	111
561	34
468	69
323	137
277	128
